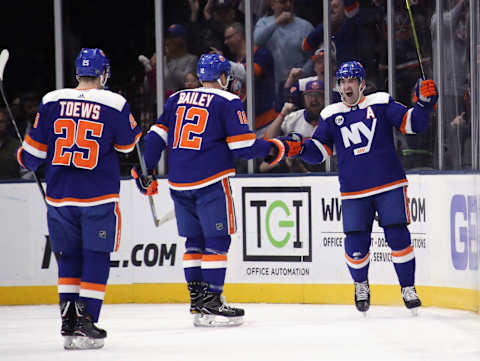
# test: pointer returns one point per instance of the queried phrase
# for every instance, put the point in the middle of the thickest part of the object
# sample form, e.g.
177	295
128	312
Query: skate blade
216	321
414	311
82	343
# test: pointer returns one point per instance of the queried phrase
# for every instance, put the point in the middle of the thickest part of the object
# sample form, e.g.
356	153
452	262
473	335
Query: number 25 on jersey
73	134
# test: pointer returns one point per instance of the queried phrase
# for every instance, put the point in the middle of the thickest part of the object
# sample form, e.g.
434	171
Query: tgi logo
277	224
463	231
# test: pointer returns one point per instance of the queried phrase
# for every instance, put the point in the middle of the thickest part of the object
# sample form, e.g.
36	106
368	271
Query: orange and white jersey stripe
374	190
68	285
129	147
161	130
357	263
203	182
92	290
406	126
35	148
326	151
403	255
191	260
118	227
241	141
210	261
232	224
82	202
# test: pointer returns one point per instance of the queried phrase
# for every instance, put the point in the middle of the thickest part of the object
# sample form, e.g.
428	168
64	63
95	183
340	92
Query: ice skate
67	312
362	296
196	290
85	334
215	313
411	300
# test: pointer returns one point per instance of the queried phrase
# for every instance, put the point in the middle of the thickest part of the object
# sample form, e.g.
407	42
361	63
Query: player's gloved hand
426	93
276	152
147	185
293	143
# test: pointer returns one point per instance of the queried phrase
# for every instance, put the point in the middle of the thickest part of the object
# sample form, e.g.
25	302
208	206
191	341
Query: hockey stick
167	217
415	39
143	168
3	62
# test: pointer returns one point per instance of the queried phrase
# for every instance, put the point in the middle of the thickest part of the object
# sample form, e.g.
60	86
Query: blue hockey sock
69	275
214	262
357	254
95	272
403	256
192	259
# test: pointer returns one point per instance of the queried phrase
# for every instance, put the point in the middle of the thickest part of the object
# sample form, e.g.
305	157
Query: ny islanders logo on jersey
352	135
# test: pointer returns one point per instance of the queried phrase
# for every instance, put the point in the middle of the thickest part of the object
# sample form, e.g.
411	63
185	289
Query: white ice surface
271	332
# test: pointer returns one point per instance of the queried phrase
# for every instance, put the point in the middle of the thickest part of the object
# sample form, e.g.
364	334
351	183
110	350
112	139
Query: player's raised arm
416	119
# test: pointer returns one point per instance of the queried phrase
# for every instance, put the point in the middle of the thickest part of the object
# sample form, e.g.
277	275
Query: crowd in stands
289	69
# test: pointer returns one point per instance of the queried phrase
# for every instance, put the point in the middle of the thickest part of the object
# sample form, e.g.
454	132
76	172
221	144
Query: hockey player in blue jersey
204	128
76	134
371	176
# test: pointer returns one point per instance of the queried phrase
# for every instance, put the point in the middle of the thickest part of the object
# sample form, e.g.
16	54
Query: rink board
288	247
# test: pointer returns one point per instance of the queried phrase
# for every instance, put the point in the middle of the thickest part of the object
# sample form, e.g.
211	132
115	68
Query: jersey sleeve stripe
374	190
127	148
19	157
281	150
204	182
161	131
326	151
406	126
241	141
35	148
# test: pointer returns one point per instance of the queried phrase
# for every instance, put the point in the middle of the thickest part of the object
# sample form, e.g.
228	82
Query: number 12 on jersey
189	126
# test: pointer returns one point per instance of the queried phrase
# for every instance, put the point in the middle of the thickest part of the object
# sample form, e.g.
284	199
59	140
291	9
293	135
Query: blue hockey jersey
204	128
76	132
364	143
